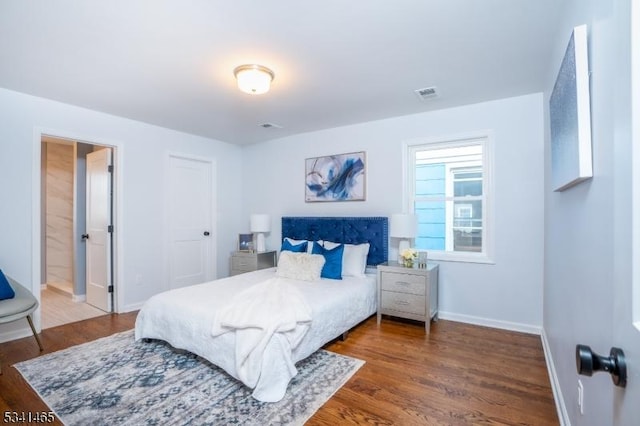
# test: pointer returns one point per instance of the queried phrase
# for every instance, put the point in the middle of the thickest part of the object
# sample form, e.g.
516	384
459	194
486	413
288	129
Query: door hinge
110	289
110	168
110	229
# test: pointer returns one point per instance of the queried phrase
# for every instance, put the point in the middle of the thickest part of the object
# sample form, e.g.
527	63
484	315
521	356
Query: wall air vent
270	126
426	93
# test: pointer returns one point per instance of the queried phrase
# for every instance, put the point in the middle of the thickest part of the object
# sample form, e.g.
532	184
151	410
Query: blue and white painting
335	178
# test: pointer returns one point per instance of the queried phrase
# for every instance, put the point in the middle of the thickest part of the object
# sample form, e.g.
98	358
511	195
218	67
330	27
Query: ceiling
336	62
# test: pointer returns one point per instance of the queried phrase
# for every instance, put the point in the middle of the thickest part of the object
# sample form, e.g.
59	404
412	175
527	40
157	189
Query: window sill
460	257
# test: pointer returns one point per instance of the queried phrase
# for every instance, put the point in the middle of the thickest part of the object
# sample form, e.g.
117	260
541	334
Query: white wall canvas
569	107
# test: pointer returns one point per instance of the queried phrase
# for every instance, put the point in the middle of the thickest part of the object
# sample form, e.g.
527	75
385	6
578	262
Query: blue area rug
115	380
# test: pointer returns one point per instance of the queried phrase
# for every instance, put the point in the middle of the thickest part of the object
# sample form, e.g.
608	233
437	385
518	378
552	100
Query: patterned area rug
116	380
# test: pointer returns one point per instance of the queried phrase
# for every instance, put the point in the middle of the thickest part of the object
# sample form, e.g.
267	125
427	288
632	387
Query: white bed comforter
200	319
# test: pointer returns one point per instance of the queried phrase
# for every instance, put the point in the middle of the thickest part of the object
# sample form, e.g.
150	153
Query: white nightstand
410	293
242	262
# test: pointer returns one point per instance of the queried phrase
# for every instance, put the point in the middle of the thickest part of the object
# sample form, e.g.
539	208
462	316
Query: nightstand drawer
244	263
404	302
403	283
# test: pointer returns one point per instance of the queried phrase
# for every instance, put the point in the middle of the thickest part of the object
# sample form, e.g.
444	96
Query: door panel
189	254
190	219
626	286
98	220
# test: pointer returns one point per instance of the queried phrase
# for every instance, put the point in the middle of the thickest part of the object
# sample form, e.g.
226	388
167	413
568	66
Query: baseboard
563	415
79	298
487	322
8	336
131	308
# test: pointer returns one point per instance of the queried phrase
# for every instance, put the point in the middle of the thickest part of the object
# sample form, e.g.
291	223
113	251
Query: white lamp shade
254	79
260	223
404	225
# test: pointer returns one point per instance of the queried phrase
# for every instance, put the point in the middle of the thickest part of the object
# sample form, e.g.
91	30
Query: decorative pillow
6	292
296	242
333	260
354	259
300	247
299	266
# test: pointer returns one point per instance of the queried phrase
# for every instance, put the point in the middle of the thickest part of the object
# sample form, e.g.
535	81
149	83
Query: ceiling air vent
270	126
427	93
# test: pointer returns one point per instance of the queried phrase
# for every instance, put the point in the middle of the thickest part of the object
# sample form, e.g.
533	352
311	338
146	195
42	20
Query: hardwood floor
461	375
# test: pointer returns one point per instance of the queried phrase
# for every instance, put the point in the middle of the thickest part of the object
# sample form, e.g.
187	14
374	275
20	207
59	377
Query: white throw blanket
269	320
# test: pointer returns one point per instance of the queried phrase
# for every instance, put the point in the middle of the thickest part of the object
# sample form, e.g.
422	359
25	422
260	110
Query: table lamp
260	223
405	227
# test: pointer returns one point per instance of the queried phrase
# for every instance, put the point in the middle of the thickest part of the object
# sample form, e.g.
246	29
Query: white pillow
296	242
354	258
300	266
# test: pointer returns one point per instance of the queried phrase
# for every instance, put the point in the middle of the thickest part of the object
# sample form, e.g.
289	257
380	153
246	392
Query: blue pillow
332	260
298	248
6	292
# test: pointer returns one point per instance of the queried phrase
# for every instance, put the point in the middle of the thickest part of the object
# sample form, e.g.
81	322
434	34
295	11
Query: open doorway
76	258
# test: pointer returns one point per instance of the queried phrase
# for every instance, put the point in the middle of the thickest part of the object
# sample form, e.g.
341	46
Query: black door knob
588	361
206	233
85	237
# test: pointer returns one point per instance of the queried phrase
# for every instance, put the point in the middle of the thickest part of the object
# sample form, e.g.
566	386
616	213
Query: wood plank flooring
461	375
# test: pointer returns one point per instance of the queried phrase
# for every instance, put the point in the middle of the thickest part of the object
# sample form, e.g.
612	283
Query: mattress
184	318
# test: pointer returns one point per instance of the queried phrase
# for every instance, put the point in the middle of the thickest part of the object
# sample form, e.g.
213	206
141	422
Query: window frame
484	138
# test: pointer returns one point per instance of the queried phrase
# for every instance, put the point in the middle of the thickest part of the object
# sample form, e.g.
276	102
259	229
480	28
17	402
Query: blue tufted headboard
347	230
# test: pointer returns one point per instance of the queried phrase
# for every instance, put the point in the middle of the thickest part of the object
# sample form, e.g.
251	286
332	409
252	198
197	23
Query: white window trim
488	160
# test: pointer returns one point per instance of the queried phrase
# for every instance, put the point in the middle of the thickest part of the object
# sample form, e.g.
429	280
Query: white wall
505	294
142	150
587	232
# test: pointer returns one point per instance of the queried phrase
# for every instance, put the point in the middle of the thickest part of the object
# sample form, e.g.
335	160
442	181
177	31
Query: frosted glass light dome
254	79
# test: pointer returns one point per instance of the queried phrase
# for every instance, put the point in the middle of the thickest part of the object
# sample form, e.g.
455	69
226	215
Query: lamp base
404	244
260	244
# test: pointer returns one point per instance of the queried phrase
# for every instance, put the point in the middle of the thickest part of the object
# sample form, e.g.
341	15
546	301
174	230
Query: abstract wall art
570	121
338	177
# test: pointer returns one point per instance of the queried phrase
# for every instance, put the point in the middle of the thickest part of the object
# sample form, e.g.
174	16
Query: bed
263	354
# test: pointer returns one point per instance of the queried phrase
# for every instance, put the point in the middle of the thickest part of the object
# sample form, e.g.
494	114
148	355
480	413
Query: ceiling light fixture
253	79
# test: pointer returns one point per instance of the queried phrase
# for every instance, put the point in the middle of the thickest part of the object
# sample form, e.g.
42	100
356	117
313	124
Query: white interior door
626	321
97	236
191	235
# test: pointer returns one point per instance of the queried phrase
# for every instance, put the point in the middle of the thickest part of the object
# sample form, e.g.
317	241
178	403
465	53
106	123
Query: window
448	189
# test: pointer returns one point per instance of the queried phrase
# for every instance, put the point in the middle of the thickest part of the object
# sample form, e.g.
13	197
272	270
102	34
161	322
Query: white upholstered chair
20	306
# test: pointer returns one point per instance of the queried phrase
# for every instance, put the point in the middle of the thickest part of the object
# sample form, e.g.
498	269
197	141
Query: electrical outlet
580	397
